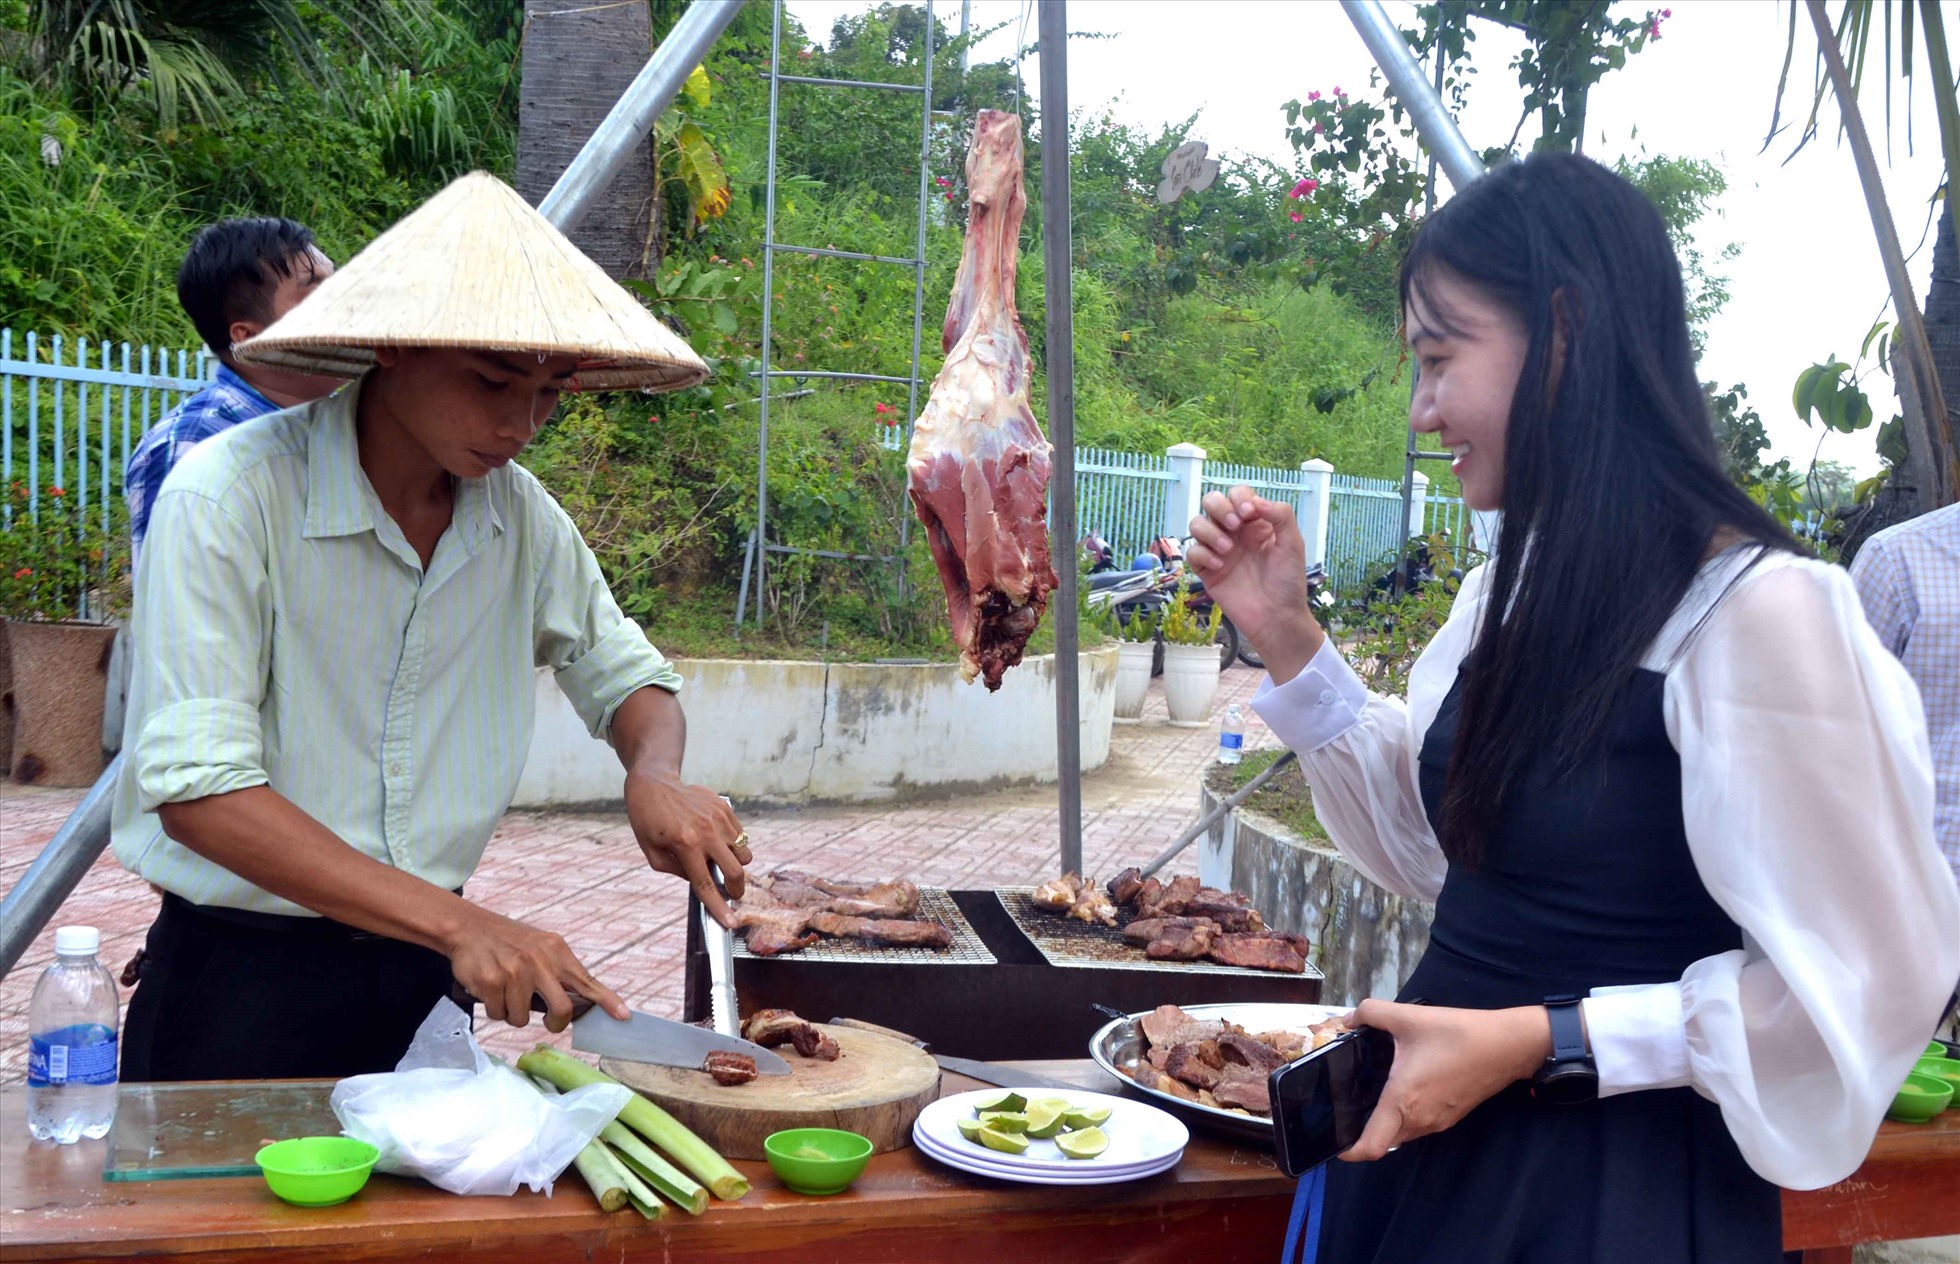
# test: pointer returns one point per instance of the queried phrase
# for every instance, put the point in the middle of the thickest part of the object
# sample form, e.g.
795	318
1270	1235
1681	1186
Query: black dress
1586	883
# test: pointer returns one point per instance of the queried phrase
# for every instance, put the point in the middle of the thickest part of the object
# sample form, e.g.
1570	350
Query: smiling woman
1599	776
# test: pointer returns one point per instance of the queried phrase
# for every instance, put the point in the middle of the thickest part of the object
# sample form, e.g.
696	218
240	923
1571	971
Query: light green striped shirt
286	635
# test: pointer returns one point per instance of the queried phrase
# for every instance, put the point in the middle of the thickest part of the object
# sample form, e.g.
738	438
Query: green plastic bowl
1947	1069
817	1160
317	1171
1934	1049
1919	1099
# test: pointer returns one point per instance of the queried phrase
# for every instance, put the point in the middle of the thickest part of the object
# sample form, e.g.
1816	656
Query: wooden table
1223	1203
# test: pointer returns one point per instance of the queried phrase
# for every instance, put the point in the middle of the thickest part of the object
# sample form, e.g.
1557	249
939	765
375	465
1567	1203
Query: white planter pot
1190	680
1132	679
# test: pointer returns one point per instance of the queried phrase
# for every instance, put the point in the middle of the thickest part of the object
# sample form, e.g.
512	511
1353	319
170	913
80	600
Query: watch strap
1568	1030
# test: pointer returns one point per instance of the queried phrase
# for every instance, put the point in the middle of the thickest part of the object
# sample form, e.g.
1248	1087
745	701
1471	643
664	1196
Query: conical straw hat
477	267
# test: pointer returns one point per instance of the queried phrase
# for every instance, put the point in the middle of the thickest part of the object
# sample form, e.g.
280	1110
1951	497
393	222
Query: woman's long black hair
1613	486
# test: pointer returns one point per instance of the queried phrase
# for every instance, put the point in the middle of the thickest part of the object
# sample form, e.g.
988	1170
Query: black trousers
225	995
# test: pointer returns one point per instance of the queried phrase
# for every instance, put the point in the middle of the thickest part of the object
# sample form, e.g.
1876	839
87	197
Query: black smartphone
1321	1102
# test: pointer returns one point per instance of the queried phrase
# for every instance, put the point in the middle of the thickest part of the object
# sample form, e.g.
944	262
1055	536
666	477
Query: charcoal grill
1068	941
1015	1003
935	905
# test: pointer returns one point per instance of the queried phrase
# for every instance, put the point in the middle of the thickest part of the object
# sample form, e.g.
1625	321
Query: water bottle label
1231	741
54	1064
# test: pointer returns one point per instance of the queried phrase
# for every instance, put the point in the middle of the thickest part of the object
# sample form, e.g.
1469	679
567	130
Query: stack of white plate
1143	1141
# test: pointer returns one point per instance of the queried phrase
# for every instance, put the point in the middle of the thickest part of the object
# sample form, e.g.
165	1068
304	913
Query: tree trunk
1943	322
577	61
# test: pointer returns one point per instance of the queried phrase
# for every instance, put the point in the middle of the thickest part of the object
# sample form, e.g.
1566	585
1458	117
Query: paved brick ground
581	875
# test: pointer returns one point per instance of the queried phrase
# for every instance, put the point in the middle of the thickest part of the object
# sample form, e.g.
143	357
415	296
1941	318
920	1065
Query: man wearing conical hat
339	612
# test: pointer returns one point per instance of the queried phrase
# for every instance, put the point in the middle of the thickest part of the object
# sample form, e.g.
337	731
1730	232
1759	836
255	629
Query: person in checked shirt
1908	579
237	278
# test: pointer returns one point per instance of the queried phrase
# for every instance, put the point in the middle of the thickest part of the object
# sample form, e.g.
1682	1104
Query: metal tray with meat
1208	1063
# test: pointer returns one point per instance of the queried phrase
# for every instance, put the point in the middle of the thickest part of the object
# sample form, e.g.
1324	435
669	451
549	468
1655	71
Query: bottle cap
77	941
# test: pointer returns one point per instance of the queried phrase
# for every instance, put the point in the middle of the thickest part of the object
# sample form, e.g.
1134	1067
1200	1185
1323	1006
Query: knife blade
994	1073
664	1042
661	1041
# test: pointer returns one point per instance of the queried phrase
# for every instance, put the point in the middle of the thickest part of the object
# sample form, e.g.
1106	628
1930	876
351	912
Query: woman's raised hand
1253	561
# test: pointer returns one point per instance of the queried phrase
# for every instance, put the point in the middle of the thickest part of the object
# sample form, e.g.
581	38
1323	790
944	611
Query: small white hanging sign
1187	170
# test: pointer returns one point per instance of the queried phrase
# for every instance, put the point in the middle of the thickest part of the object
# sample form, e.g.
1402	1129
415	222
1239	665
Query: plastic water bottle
71	1043
1231	735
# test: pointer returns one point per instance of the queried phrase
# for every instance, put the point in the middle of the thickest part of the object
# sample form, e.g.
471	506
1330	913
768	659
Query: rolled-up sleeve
601	657
203	618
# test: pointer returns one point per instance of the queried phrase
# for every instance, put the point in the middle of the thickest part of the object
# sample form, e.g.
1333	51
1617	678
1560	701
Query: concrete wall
793	732
1365	940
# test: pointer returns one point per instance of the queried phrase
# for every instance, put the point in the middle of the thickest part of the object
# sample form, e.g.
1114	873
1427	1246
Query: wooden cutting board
876	1088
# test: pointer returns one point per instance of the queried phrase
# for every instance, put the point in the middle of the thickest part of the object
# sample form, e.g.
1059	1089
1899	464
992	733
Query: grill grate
934	906
1064	941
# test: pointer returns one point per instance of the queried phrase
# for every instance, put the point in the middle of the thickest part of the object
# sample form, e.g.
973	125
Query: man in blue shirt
239	276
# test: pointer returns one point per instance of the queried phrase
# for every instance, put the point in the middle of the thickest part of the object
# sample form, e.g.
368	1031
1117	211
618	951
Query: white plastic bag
465	1122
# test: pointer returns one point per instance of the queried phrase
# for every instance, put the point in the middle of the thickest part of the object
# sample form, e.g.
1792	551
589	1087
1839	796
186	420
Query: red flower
55	492
23	572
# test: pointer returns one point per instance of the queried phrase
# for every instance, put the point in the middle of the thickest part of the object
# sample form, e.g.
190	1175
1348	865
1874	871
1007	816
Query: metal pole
1206	821
1434	125
918	294
632	116
1409	454
1056	254
768	304
53	876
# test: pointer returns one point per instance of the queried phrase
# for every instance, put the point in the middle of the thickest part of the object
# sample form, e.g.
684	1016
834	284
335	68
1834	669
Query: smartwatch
1568	1076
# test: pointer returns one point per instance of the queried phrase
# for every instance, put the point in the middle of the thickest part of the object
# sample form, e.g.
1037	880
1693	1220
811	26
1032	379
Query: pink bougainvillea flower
1339	93
947	196
1313	96
1296	217
1318	128
1654	29
1305	188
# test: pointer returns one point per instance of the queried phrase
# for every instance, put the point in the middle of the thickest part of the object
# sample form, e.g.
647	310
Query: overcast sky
1809	281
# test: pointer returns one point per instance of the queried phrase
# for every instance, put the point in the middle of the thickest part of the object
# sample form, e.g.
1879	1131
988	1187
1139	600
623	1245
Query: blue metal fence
70	412
1120	496
1365	528
1447	514
1272	482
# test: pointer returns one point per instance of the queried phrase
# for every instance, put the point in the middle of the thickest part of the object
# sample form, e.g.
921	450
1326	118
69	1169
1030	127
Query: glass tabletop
210	1128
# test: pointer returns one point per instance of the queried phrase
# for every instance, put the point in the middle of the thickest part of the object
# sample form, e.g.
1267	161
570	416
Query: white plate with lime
1061	1132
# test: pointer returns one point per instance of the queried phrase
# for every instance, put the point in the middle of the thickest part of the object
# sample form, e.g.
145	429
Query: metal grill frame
1049	935
935	905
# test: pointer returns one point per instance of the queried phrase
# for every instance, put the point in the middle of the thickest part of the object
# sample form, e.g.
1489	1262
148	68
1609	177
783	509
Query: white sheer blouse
1807	792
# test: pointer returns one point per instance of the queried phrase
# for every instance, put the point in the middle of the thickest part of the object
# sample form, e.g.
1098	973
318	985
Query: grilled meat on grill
788	911
1269	950
1183	943
889	931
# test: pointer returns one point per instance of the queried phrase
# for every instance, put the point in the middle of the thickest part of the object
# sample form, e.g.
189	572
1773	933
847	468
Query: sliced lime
1005	1142
1086	1144
1010	1100
1086	1117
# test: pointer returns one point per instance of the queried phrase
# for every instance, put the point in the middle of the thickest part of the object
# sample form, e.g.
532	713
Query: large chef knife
645	1038
661	1041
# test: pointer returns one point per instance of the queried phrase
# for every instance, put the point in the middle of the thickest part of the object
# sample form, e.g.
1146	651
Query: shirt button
394	770
1327	697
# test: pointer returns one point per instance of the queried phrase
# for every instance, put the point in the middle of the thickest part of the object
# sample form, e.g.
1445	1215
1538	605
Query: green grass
1285	798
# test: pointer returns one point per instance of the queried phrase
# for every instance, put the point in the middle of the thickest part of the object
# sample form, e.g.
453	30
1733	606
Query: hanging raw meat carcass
979	462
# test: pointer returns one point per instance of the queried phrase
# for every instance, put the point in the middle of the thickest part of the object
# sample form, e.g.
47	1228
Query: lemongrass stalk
645	1118
604	1174
668	1180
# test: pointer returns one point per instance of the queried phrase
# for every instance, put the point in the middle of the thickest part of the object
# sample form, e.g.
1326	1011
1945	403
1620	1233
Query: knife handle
581	1006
